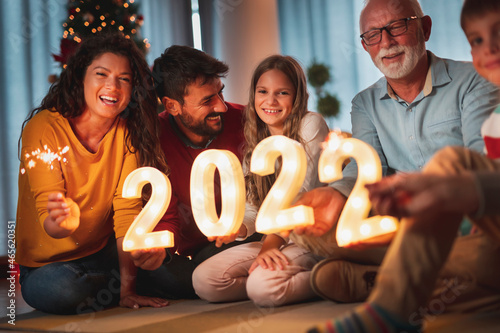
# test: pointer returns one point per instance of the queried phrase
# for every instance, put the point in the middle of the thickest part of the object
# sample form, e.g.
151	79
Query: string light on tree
88	17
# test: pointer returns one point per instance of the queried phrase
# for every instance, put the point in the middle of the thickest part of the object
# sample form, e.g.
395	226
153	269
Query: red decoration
68	48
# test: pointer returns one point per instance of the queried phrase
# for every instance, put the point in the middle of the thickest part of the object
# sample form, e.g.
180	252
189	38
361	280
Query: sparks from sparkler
47	156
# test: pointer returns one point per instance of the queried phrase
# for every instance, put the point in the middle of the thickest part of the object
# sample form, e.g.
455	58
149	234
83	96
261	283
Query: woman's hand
271	259
149	259
64	216
135	301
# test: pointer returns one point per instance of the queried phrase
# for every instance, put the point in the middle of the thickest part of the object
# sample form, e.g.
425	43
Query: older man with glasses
422	104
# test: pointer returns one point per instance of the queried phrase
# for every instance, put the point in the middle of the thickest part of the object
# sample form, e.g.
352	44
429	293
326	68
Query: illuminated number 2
275	213
353	225
140	235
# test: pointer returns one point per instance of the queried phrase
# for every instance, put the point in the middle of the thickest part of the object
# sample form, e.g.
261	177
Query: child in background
456	181
274	271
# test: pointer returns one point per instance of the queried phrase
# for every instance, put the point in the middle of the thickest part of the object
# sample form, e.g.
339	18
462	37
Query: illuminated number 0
140	235
274	214
232	192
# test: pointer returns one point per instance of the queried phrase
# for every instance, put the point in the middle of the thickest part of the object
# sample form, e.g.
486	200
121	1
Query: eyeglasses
396	28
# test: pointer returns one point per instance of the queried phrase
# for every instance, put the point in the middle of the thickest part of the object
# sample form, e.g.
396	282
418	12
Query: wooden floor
200	316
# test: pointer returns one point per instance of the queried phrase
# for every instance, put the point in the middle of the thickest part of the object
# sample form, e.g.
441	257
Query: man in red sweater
196	118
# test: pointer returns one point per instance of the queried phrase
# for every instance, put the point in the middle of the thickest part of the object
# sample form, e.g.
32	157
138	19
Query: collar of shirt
440	77
184	138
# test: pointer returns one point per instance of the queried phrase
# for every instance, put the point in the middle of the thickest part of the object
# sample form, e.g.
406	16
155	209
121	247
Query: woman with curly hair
274	271
97	123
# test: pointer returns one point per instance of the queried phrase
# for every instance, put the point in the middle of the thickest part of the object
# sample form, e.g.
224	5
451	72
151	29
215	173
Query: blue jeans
80	286
93	283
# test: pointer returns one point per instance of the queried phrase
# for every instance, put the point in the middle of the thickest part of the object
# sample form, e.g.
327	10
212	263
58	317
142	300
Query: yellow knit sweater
93	180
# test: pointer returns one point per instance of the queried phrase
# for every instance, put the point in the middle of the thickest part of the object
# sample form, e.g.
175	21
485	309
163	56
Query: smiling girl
274	271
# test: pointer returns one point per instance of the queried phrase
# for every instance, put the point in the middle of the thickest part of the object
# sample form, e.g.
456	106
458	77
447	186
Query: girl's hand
269	259
135	301
64	216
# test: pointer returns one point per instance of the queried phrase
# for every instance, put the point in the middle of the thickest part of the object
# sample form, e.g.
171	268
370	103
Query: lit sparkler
47	156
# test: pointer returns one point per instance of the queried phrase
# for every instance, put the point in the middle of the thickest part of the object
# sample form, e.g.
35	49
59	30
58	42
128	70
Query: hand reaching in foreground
64	216
327	204
149	259
135	301
424	194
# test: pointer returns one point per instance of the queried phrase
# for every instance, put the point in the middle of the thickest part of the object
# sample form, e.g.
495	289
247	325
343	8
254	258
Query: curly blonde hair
256	130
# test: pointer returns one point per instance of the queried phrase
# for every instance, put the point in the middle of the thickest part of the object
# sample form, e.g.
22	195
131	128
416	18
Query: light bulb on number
346	235
267	221
347	147
145	174
329	170
226	222
299	215
387	223
365	229
155	209
207	223
357	202
291	165
199	196
369	170
223	163
231	193
160	190
281	219
279	143
149	241
258	164
204	162
278	194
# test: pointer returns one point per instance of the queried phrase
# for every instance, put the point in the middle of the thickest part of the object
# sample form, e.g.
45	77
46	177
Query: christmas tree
88	17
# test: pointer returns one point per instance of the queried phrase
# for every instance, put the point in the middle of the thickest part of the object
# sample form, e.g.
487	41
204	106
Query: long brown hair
66	95
256	130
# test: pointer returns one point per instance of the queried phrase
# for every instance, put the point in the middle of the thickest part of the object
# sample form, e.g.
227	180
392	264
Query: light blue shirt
449	110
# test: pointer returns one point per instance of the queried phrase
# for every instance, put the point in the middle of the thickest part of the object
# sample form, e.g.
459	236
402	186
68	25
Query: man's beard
412	55
201	128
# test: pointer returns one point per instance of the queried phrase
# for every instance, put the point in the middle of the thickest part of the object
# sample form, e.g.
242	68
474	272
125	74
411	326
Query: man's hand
327	204
424	194
135	301
64	216
219	241
148	259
